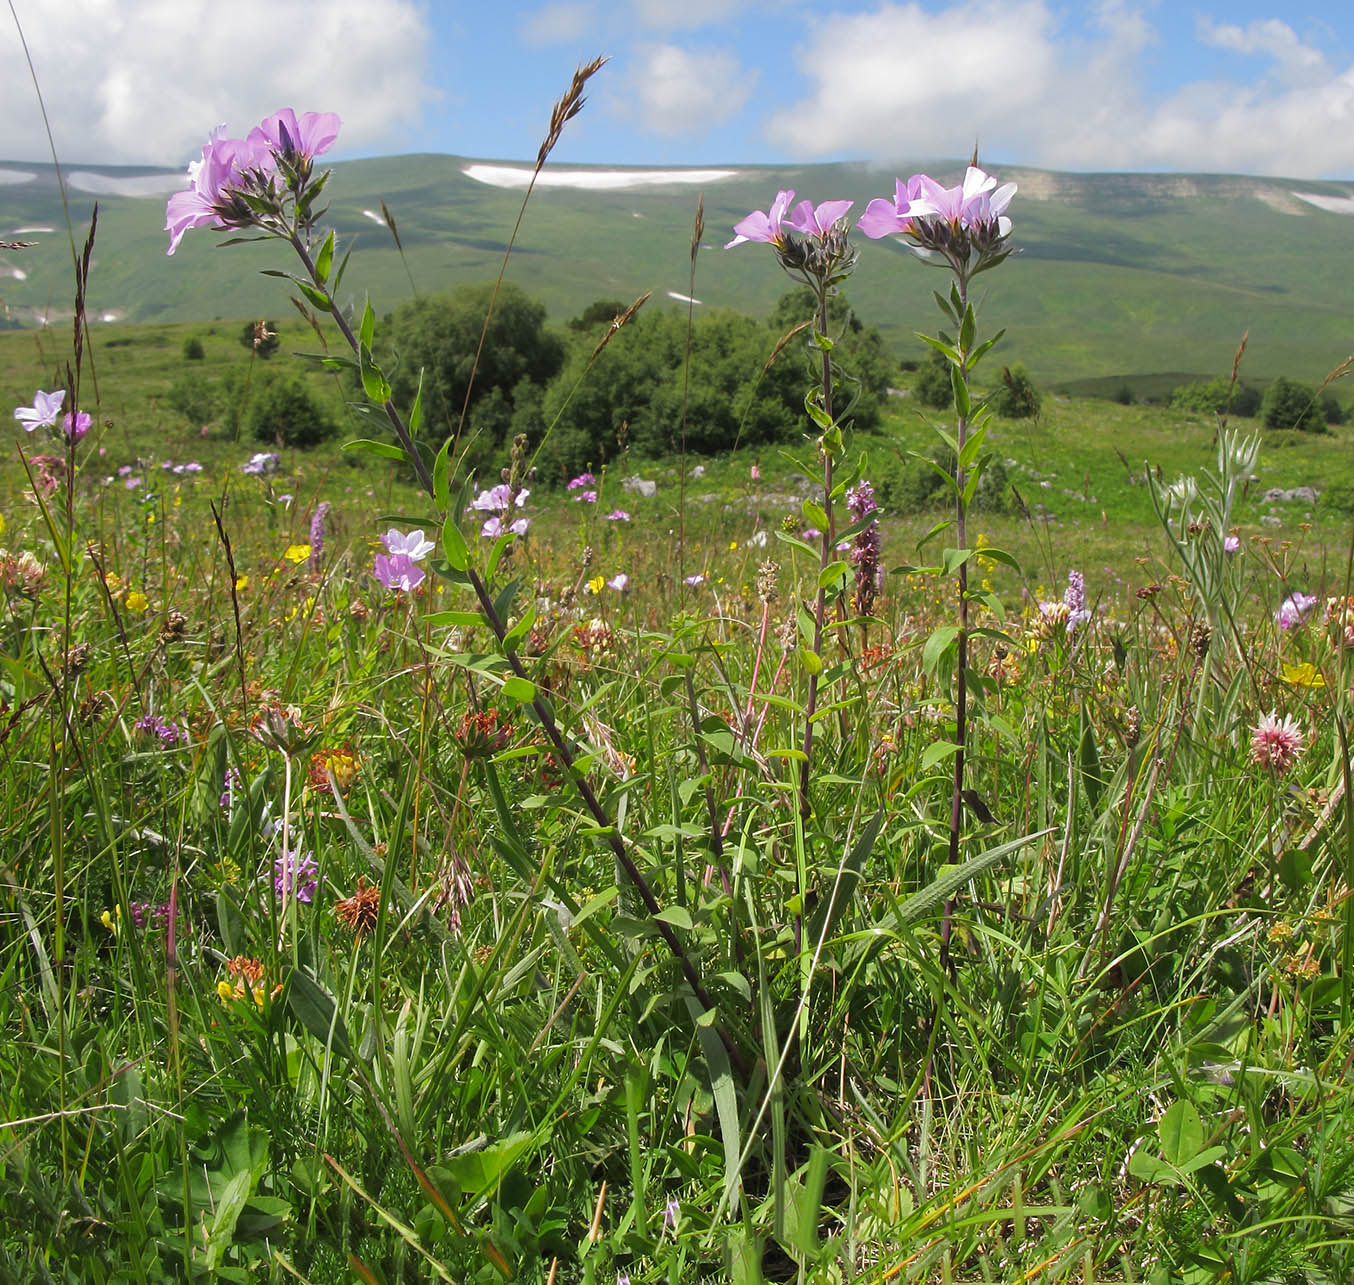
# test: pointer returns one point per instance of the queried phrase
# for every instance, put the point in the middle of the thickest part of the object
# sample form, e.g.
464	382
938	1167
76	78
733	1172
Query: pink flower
1231	543
759	226
212	182
883	217
974	203
398	571
76	429
413	546
618	515
583	479
586	497
1276	743
43	412
618	582
818	222
283	133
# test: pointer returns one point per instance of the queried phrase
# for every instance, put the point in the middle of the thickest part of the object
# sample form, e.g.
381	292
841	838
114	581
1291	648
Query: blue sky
1248	86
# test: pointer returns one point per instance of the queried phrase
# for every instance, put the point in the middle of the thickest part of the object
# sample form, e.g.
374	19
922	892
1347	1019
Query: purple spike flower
860	503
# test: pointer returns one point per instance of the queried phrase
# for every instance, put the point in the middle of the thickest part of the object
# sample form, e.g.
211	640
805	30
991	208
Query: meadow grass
492	1071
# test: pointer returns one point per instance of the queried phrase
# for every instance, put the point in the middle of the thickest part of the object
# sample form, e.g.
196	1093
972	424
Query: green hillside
1116	275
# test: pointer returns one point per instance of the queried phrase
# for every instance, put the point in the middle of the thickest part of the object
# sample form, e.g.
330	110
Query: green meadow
599	902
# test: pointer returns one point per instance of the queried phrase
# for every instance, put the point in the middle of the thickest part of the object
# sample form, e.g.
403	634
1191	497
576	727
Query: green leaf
833	572
786	538
368	447
814	514
721	1087
677	916
453	545
810	659
519	689
942	347
1182	1133
317	297
937	645
937	752
814	409
952	559
324	260
317	1010
822	340
963	403
367	330
454	619
229	1205
968	329
952	878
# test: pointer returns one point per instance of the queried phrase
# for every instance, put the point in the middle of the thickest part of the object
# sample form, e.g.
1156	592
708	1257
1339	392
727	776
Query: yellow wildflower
296	553
137	601
1304	675
241	583
596	584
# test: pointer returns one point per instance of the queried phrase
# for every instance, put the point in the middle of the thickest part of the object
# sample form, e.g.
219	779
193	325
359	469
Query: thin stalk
825	547
961	657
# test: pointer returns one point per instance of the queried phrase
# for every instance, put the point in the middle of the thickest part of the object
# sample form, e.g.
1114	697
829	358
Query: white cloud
901	82
683	91
519	176
1296	64
556	24
144	81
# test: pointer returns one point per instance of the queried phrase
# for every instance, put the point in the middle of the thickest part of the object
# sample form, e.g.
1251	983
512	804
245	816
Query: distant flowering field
487	881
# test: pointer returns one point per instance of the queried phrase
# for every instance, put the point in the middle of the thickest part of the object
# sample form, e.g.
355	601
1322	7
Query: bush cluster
1216	397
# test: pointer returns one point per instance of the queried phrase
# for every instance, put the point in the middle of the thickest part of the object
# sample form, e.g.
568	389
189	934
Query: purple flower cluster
1294	610
230	786
232	165
179	470
148	914
156	726
860	503
496	502
317	533
1074	597
298	873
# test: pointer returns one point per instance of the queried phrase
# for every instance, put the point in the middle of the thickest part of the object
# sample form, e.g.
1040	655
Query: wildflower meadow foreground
499	876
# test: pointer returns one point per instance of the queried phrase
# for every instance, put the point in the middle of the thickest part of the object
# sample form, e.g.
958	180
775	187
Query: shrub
1290	404
438	334
1332	408
1016	396
194	398
260	337
932	386
282	410
641	385
1216	397
192	349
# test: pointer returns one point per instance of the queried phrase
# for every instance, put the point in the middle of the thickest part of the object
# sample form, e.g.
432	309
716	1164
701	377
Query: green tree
438	335
1015	397
279	409
1290	404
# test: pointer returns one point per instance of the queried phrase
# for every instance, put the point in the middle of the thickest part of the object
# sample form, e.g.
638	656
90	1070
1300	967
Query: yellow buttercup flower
241	582
296	553
597	584
1304	675
137	601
